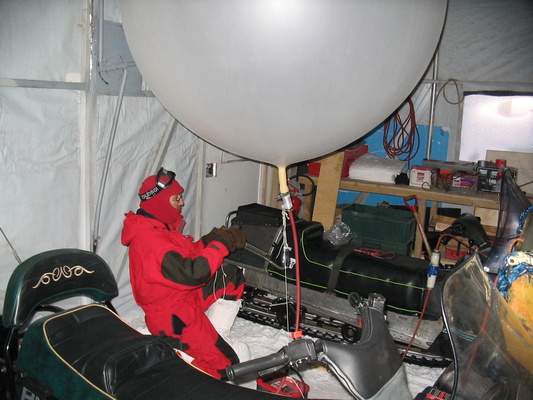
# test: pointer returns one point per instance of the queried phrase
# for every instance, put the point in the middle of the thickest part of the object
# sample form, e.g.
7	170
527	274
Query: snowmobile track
257	307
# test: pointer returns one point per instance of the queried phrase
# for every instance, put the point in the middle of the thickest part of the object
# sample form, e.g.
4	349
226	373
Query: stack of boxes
462	176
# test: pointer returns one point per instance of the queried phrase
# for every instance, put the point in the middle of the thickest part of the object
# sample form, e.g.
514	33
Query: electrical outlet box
211	170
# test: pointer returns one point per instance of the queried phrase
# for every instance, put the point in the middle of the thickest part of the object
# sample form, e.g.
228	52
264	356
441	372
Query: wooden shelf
329	182
487	200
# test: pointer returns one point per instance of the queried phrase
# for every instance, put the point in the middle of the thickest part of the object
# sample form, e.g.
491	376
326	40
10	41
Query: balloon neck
283	184
284	191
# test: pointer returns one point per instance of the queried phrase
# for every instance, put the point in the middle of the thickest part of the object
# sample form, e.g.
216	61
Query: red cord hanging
401	139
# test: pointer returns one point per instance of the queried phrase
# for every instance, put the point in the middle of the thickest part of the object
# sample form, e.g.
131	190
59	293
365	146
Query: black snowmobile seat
343	269
96	355
46	278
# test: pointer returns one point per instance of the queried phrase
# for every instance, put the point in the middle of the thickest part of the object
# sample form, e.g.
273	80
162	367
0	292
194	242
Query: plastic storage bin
381	228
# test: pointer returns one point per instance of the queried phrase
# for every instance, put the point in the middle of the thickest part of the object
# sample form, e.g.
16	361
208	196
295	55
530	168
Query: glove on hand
239	237
208	238
226	237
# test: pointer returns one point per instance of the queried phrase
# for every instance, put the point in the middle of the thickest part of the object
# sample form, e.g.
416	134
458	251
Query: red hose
297	332
418	324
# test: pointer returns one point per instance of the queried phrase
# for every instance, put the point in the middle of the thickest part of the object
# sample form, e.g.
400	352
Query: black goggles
163	180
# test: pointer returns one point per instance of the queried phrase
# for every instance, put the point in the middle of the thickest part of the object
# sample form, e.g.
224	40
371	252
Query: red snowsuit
173	280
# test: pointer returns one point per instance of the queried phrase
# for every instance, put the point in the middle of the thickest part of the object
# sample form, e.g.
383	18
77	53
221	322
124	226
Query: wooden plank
484	200
270	187
327	192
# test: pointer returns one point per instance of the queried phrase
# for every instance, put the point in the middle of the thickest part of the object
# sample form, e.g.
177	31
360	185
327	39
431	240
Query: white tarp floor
263	340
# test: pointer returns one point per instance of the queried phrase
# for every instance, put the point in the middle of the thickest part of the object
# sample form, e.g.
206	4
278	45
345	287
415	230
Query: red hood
135	223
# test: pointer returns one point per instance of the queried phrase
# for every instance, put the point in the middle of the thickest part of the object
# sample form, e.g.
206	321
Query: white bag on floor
222	314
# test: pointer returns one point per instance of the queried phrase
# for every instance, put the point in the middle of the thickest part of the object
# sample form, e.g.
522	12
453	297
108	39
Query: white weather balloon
282	81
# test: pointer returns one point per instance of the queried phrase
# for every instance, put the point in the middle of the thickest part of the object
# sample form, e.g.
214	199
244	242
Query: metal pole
432	105
107	161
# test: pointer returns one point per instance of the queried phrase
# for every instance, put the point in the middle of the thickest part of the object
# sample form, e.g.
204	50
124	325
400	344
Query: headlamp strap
151	193
159	186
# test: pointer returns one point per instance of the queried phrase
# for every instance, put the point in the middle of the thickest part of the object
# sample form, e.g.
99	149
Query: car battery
464	182
423	176
490	178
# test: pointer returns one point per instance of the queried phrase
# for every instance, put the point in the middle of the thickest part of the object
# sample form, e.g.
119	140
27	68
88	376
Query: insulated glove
239	237
208	238
225	236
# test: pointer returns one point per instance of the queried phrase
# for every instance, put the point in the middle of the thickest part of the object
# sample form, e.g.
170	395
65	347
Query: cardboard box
423	176
441	222
454	250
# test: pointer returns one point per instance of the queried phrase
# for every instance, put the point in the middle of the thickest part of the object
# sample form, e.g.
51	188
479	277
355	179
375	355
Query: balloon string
287	208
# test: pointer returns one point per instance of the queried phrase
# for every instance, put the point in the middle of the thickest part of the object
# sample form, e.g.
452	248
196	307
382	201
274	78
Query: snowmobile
329	273
88	352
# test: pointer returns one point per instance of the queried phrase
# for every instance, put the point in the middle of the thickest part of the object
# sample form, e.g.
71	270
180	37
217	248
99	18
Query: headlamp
163	180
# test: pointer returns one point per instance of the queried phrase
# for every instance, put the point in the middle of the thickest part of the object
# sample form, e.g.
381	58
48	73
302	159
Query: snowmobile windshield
493	352
513	202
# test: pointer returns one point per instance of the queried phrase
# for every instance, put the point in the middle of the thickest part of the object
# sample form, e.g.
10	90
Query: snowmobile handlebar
296	351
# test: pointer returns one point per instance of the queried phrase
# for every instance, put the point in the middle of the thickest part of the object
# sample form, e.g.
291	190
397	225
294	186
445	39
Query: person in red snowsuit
175	279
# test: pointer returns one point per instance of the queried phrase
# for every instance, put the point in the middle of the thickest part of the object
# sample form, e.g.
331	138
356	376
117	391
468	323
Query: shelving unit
329	182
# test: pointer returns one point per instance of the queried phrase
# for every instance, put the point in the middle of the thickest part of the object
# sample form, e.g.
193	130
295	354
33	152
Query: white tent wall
486	45
56	129
39	134
237	182
43	41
